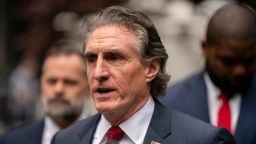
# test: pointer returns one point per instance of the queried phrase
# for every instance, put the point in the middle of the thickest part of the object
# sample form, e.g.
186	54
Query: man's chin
241	87
104	108
235	89
64	114
58	112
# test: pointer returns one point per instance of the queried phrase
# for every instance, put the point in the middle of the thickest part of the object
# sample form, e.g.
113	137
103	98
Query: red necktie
224	116
115	133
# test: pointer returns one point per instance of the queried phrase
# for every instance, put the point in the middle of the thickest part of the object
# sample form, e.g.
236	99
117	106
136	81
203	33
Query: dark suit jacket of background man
190	96
166	126
29	134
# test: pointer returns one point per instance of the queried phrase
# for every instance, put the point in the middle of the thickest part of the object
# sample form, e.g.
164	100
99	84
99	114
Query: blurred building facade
28	29
181	24
32	26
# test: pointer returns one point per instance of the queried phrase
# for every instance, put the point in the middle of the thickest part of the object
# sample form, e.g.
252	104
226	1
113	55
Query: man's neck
118	117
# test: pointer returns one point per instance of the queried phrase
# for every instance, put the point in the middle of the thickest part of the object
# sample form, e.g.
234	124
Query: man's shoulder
188	82
177	127
24	129
180	121
80	125
22	133
76	131
187	122
195	130
187	89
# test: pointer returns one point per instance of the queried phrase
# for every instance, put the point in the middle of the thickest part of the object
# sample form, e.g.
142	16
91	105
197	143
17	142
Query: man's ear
152	69
204	46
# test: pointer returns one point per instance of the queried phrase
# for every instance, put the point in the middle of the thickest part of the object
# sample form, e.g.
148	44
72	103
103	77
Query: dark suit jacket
190	96
30	134
166	126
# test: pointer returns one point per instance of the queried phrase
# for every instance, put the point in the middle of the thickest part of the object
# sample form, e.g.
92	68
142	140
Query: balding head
233	21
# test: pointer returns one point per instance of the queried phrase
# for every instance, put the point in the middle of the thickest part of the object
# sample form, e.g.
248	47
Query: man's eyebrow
114	51
86	54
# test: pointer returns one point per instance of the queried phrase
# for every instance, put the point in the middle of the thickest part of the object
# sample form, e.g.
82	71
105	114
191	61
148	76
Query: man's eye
227	61
70	82
51	81
91	58
113	57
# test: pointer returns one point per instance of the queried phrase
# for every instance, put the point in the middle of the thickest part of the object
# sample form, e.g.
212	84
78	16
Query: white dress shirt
135	127
214	103
50	128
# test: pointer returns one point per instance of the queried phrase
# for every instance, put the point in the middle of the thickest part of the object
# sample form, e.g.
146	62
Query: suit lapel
245	130
160	124
198	104
87	132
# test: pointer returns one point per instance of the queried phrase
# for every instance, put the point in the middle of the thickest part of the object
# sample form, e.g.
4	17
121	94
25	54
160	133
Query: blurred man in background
64	91
224	92
24	91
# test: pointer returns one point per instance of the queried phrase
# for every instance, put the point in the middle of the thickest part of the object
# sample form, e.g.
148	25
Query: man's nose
101	69
240	70
59	87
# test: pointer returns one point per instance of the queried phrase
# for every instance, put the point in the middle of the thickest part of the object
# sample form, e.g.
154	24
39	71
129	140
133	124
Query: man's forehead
98	46
232	43
110	47
109	32
105	51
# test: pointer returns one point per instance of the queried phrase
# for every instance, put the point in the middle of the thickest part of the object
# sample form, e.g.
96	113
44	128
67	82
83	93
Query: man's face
63	85
231	64
117	78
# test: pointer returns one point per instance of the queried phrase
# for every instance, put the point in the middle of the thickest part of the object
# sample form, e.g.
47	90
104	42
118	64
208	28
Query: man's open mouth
104	90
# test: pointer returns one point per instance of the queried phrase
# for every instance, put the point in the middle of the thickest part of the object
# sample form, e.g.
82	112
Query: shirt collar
212	90
51	125
139	121
101	129
50	129
136	126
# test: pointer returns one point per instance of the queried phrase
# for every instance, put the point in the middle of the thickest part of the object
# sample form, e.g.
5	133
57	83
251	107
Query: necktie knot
115	133
224	98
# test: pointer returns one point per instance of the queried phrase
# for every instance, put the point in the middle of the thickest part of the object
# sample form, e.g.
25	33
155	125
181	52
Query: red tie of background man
115	133
224	116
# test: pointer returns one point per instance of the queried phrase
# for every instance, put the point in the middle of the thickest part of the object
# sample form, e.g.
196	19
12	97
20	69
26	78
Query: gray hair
149	43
